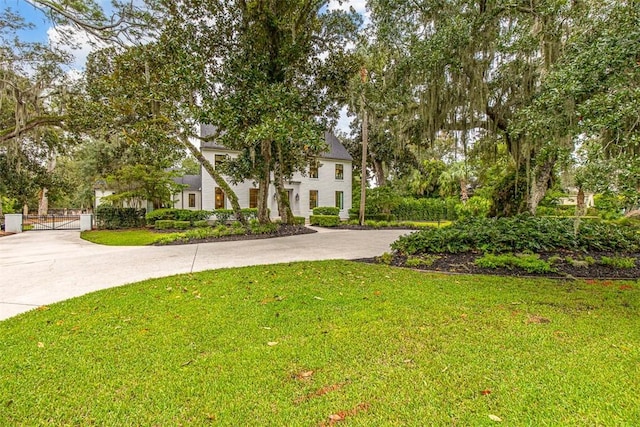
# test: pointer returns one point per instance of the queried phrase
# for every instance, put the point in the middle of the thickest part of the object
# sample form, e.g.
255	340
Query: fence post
13	223
86	222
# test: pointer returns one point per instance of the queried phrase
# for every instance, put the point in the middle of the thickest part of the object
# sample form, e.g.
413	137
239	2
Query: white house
327	183
191	195
189	198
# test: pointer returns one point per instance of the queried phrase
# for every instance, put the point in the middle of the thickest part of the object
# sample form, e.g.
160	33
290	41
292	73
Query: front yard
319	343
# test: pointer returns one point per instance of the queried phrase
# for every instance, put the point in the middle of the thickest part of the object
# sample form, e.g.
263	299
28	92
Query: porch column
13	223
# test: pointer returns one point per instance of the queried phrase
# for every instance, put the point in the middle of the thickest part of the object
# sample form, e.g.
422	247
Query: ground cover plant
199	233
528	245
316	343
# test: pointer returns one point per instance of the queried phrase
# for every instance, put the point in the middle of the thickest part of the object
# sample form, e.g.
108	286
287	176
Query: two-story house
326	183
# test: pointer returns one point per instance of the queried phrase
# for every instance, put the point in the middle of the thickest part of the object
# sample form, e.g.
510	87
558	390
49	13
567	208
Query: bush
181	225
325	220
326	210
476	206
164	224
519	234
618	262
177	215
299	220
111	217
223	215
201	224
531	263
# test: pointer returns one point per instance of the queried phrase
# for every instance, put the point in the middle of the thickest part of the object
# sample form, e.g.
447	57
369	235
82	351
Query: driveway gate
50	222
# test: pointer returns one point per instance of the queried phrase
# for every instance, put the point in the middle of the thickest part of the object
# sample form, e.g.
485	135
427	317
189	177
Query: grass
299	343
139	237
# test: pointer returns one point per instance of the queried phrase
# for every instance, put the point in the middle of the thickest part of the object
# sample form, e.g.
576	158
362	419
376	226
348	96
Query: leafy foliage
531	263
111	217
326	210
177	215
324	220
519	234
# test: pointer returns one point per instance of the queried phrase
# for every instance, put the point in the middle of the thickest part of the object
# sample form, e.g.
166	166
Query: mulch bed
283	231
463	263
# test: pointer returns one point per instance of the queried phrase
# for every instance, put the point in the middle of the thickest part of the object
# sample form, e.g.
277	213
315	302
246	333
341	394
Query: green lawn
140	237
304	343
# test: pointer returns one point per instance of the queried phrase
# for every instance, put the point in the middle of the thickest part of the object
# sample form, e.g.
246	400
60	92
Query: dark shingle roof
336	149
194	182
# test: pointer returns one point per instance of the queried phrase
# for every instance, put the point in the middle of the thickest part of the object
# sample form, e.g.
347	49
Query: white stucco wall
325	184
181	200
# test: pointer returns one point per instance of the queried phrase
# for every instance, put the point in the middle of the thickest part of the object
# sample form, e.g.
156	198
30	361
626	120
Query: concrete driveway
42	267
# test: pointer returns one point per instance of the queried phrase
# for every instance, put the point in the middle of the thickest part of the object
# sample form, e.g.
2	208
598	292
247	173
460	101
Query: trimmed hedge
177	215
225	215
410	209
111	217
181	225
326	210
299	220
325	220
164	224
519	234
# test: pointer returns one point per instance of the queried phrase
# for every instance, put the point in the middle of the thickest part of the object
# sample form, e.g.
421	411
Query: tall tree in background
271	69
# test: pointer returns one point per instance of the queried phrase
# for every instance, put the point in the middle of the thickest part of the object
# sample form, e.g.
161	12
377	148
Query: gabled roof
336	149
194	182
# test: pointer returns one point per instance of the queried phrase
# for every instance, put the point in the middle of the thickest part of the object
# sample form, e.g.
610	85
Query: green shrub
201	224
326	210
111	217
164	224
421	261
299	220
385	258
177	215
518	234
325	220
250	213
256	228
476	206
181	225
528	262
618	262
223	215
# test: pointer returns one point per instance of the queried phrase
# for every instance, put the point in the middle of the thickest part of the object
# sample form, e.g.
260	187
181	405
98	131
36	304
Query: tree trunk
206	164
378	171
363	180
43	204
540	183
464	195
264	180
284	204
581	208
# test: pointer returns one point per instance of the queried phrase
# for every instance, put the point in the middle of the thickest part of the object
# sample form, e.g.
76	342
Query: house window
253	198
339	171
219	198
313	169
192	200
313	199
220	159
339	199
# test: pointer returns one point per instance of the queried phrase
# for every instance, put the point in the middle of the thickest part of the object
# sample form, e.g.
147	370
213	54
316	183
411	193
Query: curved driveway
43	267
